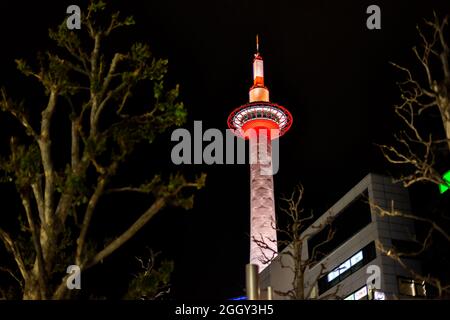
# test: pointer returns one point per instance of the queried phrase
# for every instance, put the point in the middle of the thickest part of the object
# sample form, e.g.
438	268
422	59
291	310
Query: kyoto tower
261	121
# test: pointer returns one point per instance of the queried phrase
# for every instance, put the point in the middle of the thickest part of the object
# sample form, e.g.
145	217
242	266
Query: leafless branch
415	149
435	282
393	212
291	257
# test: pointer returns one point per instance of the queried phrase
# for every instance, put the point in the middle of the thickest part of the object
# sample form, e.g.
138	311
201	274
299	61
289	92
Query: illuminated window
410	287
359	294
333	275
379	295
346	268
356	258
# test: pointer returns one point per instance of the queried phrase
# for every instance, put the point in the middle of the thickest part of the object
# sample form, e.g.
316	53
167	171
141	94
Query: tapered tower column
263	234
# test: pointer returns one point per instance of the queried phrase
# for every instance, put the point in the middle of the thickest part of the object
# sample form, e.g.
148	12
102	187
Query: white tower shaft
263	234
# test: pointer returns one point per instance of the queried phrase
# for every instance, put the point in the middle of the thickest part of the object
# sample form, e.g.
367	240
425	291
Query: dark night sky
321	62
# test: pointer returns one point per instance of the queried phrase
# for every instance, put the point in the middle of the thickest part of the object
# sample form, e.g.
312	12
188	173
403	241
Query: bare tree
153	279
92	87
416	148
294	239
419	152
422	246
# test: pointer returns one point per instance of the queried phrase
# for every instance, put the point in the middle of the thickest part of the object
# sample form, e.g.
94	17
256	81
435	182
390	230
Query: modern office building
351	262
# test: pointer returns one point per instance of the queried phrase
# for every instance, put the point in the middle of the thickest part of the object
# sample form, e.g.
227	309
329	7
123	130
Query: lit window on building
333	275
410	287
344	267
359	294
356	258
379	295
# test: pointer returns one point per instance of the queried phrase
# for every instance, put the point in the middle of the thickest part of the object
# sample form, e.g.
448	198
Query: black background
321	62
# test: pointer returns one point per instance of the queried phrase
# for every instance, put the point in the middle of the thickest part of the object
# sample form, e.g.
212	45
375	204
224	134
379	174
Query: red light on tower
260	116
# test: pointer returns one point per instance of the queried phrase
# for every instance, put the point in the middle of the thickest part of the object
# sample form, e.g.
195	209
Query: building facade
351	265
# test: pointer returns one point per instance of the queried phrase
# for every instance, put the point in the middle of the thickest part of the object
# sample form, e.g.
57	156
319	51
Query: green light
444	187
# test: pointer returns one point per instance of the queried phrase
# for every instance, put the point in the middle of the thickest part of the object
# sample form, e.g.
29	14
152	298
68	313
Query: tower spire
257	44
258	92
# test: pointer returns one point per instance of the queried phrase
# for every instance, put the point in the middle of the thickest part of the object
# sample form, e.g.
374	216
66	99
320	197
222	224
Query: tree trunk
31	289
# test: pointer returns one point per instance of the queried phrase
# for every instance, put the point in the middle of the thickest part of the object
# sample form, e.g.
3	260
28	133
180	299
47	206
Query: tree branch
47	162
9	271
37	192
14	250
130	232
37	246
6	105
92	204
435	282
395	213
